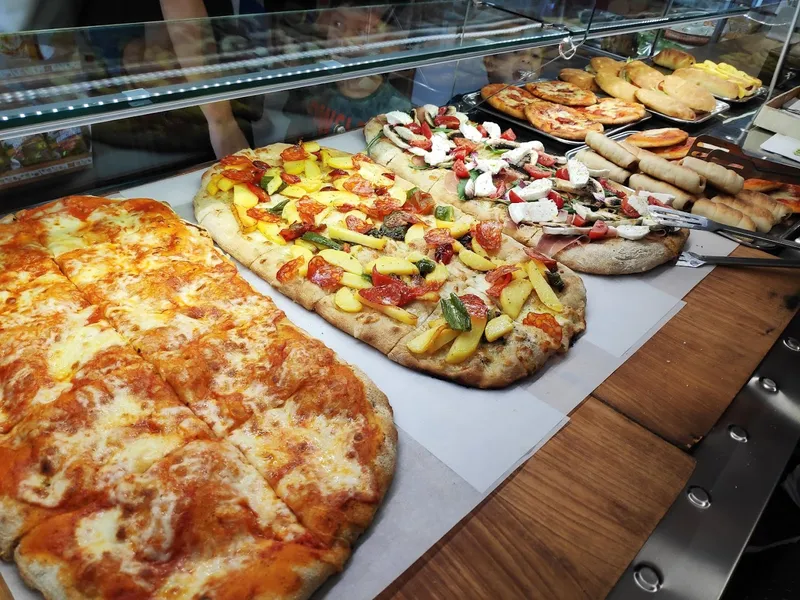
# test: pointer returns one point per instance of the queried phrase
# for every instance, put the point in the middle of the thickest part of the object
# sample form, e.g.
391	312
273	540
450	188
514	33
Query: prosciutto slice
553	244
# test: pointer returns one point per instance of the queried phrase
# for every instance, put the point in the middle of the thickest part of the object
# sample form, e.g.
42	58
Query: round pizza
560	121
562	92
168	432
613	111
431	287
508	99
676	152
562	209
657	138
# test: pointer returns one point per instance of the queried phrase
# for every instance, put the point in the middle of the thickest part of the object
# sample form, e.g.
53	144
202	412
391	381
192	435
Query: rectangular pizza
167	431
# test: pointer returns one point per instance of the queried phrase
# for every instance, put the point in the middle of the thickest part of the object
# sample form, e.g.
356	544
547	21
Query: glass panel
96	70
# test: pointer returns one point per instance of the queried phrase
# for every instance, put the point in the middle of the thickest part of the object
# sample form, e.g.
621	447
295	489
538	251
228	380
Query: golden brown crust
507	98
714	84
580	78
657	138
664	104
613	85
603	63
676	152
617	256
688	93
672	58
642	75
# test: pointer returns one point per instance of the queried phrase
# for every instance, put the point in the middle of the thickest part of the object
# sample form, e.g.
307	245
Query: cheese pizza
560	121
142	377
427	285
564	209
562	92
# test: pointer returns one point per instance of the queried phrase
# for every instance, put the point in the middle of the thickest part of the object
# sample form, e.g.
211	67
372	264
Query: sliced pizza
613	111
199	523
508	99
560	121
561	92
379	258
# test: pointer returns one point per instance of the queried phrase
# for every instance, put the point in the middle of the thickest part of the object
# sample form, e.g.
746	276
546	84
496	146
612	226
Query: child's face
509	67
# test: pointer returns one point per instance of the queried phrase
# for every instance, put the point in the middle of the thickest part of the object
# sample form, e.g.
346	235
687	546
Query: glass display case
153	97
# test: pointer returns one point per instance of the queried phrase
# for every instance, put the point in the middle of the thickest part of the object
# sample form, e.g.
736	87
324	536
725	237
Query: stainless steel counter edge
694	549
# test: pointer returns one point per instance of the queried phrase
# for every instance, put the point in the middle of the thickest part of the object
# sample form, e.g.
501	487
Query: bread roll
611	150
721	178
595	161
644	182
642	75
681	177
672	58
778	210
579	78
615	86
720	213
603	63
714	84
761	218
688	92
662	103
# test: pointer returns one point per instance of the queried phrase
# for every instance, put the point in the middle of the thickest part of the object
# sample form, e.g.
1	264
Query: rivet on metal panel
647	578
738	433
699	497
768	384
792	344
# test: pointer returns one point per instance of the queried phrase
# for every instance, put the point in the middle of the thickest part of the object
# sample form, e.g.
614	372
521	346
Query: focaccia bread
580	78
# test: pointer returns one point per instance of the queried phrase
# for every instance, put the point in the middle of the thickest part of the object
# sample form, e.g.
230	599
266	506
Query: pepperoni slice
443	253
381	208
420	203
500	272
296	230
498	286
260	165
258	191
345	208
242	175
549	263
359	186
361	157
355	224
262	214
324	274
400	218
547	323
289	179
379	278
336	173
438	237
475	306
290	270
489	235
295	152
235	160
308	209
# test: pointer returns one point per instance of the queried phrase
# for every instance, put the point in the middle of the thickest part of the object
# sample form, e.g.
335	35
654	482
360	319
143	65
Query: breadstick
721	178
723	214
681	177
762	218
595	161
611	150
778	209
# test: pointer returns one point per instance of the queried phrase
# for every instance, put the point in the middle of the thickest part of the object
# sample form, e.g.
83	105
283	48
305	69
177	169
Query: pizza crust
618	256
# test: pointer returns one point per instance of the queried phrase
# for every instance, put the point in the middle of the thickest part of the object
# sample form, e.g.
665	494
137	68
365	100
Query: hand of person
225	133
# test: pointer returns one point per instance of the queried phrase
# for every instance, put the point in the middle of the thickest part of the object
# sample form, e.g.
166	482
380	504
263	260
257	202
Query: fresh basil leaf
455	313
321	240
278	208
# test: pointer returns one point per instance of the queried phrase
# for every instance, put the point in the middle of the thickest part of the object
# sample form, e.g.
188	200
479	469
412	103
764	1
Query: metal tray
788	229
721	106
472	99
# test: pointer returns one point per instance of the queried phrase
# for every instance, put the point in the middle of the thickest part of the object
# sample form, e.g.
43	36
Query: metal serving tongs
675	218
567	48
690	259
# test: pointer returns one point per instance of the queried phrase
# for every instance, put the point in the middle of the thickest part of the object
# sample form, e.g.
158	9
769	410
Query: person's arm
189	37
